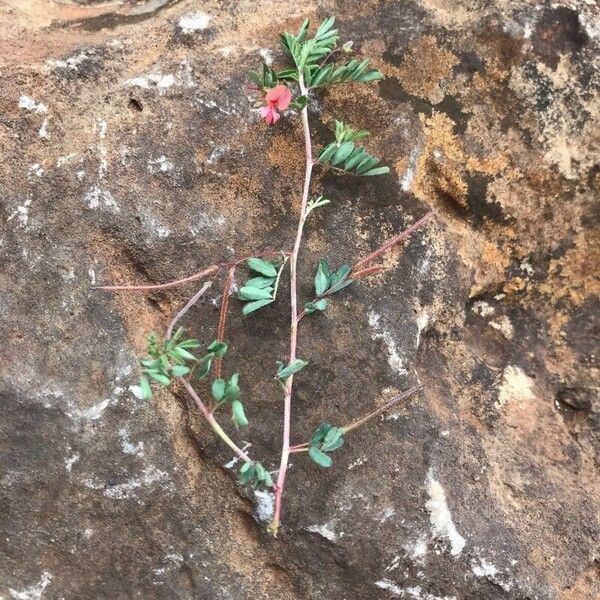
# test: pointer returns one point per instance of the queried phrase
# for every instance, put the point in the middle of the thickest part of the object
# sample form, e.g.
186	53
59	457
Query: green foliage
228	392
262	290
255	474
345	133
167	359
172	358
351	158
344	155
268	78
312	307
326	438
315	203
284	372
357	71
308	52
310	56
327	283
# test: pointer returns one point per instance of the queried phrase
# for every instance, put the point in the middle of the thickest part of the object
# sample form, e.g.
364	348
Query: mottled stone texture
130	152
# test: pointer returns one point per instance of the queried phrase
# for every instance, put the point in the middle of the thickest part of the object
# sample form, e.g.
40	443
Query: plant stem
361	264
187	307
213	422
287	400
223	318
362	420
205	273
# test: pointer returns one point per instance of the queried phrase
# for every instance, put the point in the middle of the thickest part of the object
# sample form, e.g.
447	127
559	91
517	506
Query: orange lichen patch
575	276
424	69
489	267
443	165
440	168
287	152
351	101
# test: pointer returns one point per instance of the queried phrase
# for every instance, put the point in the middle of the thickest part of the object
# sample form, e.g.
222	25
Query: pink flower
277	98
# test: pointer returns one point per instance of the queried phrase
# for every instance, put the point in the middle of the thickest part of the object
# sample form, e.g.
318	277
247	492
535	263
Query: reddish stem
187	307
287	400
208	271
361	264
362	420
223	317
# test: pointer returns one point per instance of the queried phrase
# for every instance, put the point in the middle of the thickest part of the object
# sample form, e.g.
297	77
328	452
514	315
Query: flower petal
280	95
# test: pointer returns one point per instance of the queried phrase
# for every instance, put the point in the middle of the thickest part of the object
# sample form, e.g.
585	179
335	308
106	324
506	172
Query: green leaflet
262	266
255	474
237	414
252	306
292	368
325	438
320	457
344	155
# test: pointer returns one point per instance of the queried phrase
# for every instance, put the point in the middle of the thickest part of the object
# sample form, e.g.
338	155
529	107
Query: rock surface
130	152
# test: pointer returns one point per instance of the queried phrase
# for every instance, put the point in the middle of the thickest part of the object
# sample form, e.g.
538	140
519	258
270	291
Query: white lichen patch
96	197
36	170
127	447
266	55
416	550
264	503
27	103
423	322
160	165
93	412
504	326
153	80
380	333
71	460
71	63
327	531
34	592
409	175
193	22
483	568
516	386
22	214
127	490
483	309
442	525
390	586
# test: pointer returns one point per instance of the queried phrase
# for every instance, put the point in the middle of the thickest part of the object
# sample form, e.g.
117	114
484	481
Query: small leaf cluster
262	289
255	474
283	372
327	283
228	392
172	358
167	359
358	71
345	155
326	438
311	54
268	78
307	52
315	203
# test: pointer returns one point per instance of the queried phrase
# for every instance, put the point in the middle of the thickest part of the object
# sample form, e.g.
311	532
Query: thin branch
361	264
187	307
362	420
223	317
213	422
205	273
287	400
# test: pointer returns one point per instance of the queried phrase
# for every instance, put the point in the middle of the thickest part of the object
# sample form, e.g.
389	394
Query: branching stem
287	400
210	418
362	420
223	317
